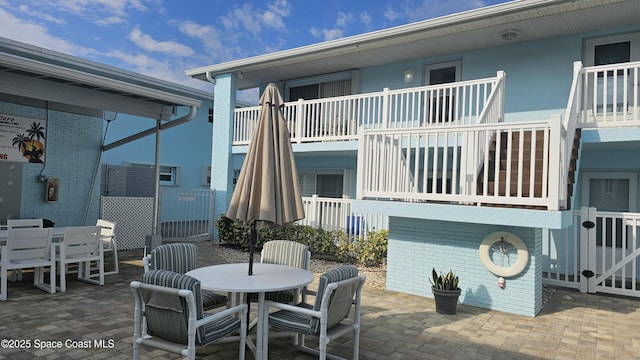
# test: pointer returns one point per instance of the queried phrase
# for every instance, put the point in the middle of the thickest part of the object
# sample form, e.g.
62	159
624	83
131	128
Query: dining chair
22	224
29	248
169	316
288	253
339	290
81	245
108	236
181	258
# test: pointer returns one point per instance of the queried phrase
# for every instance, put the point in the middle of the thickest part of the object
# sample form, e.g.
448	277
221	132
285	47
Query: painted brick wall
417	246
224	103
72	153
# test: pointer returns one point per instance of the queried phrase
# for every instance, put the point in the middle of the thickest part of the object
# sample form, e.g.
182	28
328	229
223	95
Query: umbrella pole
252	246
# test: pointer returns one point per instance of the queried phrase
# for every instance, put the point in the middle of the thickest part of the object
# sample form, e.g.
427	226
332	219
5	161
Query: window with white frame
168	174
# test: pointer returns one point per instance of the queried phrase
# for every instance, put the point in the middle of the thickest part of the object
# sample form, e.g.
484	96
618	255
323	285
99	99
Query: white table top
266	277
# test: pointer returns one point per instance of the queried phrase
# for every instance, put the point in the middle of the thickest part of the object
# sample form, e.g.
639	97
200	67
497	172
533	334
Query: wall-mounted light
240	75
408	76
510	34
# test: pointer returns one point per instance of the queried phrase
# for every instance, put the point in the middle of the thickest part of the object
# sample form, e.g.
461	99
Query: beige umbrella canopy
267	192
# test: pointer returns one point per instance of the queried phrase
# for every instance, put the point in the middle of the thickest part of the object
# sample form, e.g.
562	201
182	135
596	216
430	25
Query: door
442	101
609	235
615	91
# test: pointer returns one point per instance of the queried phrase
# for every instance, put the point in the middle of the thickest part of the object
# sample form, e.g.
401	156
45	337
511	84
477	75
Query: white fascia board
66	94
94	80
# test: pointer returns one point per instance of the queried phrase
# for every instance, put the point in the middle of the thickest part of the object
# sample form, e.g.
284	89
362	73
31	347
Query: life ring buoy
522	258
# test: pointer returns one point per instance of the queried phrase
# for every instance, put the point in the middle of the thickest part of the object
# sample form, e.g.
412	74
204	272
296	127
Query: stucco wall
416	246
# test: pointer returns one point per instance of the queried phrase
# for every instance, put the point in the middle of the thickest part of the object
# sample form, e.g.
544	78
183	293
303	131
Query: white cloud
343	19
326	34
391	14
36	34
366	19
207	34
146	42
117	7
40	15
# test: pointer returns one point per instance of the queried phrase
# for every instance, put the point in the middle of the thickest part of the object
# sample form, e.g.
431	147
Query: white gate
610	252
186	213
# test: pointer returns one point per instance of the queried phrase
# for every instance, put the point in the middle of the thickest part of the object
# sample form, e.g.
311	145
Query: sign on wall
22	139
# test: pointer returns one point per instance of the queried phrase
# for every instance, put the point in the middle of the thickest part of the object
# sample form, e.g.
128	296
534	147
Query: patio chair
29	248
181	258
81	245
22	224
289	253
169	316
328	318
108	236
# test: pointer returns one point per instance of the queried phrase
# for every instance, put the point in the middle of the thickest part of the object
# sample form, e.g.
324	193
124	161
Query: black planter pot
446	300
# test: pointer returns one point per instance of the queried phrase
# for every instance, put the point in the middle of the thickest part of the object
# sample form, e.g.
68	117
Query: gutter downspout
155	130
188	117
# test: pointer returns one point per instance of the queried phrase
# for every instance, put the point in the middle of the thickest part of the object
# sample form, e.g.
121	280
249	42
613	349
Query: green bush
331	245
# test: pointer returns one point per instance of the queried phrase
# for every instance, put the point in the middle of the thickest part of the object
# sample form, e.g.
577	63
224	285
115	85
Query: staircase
514	165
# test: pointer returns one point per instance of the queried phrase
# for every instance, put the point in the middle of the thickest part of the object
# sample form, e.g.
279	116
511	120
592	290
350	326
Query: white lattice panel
133	217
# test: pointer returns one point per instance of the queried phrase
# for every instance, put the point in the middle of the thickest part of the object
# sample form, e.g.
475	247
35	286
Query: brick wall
72	153
417	246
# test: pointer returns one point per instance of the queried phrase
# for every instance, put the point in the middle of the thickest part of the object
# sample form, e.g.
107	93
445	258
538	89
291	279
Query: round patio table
266	278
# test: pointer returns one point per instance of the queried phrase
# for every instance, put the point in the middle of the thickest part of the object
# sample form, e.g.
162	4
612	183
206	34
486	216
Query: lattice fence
133	217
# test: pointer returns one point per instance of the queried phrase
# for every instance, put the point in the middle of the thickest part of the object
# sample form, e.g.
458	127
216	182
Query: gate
186	214
610	252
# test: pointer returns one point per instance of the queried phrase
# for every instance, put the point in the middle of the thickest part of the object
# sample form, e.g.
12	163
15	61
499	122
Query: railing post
555	139
501	75
360	165
315	222
299	120
386	104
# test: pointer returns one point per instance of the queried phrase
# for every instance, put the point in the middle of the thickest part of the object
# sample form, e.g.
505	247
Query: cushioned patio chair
181	258
328	318
169	316
289	253
29	248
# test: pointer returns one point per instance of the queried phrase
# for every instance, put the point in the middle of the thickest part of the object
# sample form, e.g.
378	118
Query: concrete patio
95	322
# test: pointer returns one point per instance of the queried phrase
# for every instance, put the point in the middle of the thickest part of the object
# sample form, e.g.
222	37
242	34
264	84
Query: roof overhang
452	34
34	72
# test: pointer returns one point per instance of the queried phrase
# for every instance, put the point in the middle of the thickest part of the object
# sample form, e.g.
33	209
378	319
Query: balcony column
224	101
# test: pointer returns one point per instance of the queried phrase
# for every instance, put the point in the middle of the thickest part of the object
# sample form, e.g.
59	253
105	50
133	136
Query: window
321	184
168	174
206	175
211	116
320	90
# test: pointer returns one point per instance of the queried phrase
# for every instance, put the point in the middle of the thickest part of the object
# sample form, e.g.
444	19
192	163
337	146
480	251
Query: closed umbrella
267	192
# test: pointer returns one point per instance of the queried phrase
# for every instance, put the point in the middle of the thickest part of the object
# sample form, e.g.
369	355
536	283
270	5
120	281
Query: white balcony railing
335	214
610	95
338	118
451	164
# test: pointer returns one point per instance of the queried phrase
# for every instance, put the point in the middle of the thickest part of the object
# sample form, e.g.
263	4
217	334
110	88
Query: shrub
332	245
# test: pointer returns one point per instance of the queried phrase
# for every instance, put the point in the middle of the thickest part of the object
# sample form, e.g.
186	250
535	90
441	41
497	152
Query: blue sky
163	38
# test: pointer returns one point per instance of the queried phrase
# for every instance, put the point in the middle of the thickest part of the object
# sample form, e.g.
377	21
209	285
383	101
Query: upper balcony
338	118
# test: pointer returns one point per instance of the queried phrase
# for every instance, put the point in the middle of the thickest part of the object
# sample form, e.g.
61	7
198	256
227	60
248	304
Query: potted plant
445	291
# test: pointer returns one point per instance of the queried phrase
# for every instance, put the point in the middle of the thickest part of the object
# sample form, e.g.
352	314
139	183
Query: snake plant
448	281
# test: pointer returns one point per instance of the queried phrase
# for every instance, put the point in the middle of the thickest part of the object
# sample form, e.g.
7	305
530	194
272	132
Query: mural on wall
22	139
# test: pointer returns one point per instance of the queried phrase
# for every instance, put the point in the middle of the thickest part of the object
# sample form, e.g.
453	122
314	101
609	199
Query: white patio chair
108	236
29	248
169	316
328	318
81	245
22	224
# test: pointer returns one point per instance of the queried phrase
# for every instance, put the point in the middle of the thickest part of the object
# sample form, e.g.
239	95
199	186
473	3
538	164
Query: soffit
454	34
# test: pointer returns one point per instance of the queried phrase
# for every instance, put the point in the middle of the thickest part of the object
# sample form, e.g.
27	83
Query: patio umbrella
267	192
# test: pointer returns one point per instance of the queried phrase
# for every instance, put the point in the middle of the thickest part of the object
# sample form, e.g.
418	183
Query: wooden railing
338	118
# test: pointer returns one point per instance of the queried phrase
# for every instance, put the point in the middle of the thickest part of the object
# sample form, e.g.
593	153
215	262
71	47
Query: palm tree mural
30	144
21	142
36	131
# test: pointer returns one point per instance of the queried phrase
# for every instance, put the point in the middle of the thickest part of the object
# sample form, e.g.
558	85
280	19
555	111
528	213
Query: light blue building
53	112
486	137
